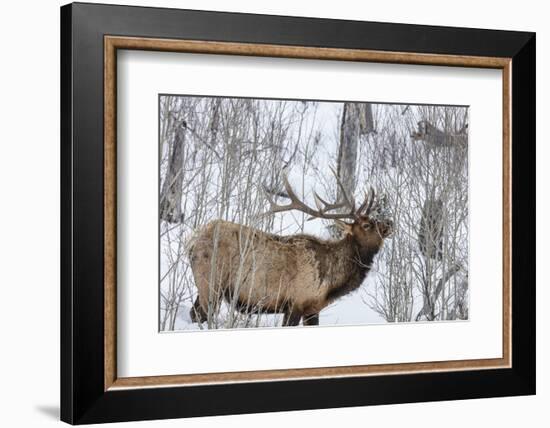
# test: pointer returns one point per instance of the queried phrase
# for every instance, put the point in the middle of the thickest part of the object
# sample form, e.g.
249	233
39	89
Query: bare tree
170	195
430	233
357	120
427	177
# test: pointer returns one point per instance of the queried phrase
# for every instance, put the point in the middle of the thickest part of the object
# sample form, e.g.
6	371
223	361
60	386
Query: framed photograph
274	213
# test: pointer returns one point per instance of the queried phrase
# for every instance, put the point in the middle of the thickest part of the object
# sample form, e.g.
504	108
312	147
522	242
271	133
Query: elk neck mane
353	267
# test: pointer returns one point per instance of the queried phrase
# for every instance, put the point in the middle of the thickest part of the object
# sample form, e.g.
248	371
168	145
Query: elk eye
366	226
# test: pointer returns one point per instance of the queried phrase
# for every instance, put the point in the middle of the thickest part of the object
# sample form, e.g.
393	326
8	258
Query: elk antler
324	206
366	207
350	201
320	212
374	206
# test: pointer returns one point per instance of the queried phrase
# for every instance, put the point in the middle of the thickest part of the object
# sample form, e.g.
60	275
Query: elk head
368	224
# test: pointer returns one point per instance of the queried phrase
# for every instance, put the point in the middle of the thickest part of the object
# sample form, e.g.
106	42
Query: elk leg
312	319
291	318
197	313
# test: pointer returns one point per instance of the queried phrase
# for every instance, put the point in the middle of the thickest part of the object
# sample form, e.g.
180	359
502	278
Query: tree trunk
170	196
428	310
356	121
430	233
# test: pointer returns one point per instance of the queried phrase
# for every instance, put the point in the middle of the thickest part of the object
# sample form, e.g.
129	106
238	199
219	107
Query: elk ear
344	227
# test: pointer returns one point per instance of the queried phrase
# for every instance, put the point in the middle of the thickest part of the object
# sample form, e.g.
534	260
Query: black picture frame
83	396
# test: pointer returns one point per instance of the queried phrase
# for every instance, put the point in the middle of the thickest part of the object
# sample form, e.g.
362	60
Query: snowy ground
349	310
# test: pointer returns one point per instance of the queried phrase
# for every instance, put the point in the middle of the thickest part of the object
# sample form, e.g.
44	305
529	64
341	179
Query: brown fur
297	275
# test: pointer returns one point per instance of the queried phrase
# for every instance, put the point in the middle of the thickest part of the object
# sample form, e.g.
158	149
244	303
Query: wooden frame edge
299	374
507	213
112	43
109	198
301	52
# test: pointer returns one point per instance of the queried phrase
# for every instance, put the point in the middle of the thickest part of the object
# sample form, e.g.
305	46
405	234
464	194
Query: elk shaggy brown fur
297	275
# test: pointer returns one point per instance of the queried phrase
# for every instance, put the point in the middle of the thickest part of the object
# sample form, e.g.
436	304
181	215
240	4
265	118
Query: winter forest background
217	153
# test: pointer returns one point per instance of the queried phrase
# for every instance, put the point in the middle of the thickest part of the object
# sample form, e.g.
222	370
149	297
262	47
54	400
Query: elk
297	275
435	137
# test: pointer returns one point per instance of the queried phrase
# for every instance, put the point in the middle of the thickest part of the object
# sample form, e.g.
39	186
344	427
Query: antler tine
274	207
371	201
366	201
327	205
297	204
349	201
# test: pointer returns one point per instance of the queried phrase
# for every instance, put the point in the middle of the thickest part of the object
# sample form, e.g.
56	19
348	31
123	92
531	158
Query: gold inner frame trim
113	43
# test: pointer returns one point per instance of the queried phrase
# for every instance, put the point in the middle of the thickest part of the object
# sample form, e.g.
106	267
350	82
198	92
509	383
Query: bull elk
297	275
